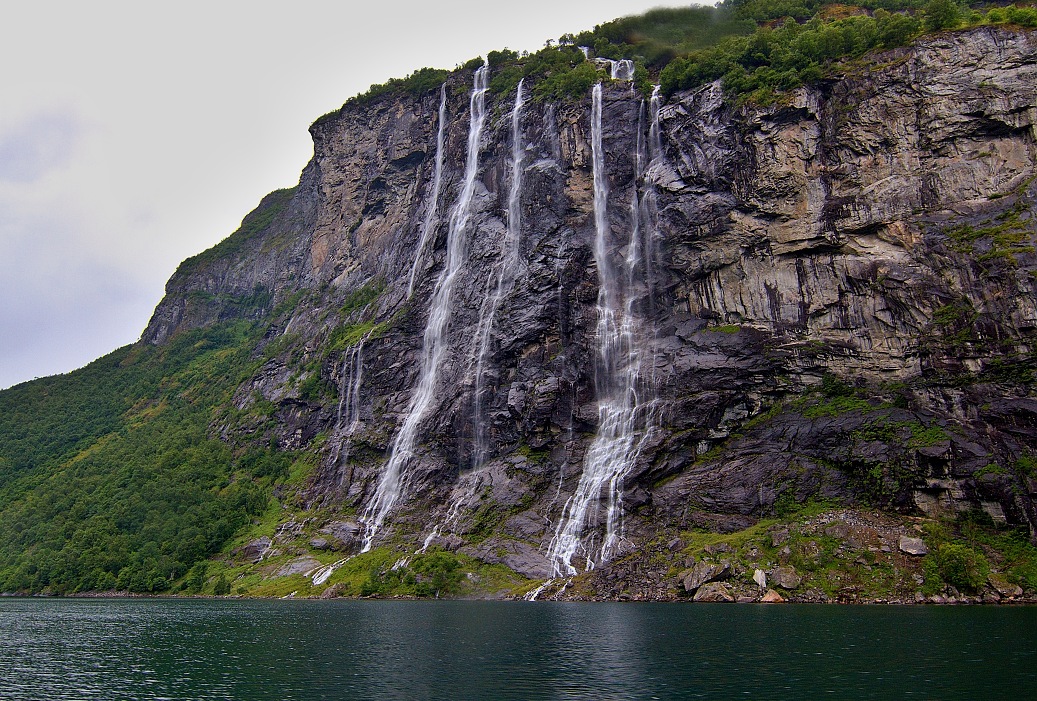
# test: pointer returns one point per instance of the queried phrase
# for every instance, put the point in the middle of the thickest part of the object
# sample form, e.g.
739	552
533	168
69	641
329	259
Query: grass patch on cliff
1007	549
349	335
361	297
380	573
255	224
1000	239
836	406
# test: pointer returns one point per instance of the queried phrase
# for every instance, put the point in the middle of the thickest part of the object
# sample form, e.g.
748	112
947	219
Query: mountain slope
654	336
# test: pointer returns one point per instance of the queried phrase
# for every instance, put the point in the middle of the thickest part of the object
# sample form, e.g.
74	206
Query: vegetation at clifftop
757	48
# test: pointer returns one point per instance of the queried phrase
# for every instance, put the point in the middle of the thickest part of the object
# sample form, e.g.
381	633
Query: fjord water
305	650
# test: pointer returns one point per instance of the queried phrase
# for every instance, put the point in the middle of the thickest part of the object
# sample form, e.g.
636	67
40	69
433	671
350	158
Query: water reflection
163	649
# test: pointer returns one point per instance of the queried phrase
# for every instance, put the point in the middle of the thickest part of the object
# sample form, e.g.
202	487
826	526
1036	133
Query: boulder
333	591
343	533
838	530
254	550
760	577
785	577
772	597
1003	587
913	546
516	555
704	572
300	565
714	591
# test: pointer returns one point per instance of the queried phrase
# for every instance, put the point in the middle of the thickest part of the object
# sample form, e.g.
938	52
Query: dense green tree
138	492
942	14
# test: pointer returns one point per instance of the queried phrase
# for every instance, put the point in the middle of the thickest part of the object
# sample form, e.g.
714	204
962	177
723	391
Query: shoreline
941	601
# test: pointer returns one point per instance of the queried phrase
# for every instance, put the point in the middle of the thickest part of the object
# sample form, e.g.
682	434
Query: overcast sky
135	134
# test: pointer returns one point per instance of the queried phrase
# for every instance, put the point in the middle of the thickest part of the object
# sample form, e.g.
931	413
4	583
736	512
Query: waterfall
506	273
463	495
622	70
393	480
347	417
648	202
623	405
433	208
349	390
618	70
654	132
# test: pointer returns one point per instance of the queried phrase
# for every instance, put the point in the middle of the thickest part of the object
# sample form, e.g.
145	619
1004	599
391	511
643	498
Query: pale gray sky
134	134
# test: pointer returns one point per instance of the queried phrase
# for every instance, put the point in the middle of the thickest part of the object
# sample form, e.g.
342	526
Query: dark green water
286	650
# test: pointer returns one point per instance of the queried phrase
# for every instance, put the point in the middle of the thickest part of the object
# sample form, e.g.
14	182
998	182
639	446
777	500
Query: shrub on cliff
958	565
942	14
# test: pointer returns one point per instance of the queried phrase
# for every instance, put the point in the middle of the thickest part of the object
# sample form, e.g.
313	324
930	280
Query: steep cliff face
834	298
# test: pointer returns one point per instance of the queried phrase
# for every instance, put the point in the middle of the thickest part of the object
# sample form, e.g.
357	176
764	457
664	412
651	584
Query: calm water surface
252	650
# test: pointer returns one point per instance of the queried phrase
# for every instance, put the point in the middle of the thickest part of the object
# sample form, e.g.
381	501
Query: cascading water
623	412
622	70
393	480
506	273
654	132
432	213
464	494
648	201
347	419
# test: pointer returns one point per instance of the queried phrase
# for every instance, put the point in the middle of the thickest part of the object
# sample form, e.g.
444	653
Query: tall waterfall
624	406
432	213
393	481
648	201
507	272
347	417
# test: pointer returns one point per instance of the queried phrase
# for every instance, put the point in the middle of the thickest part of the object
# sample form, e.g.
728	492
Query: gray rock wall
875	228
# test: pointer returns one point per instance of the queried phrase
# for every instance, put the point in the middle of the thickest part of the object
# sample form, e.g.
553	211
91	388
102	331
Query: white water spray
507	272
347	417
623	413
393	480
324	573
464	495
618	70
432	215
648	201
349	390
622	70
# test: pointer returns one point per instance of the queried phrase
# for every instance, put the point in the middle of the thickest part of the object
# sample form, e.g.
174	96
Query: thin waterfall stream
624	403
507	272
432	213
393	480
347	418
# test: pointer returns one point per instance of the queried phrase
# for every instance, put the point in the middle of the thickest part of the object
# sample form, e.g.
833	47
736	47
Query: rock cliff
836	297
